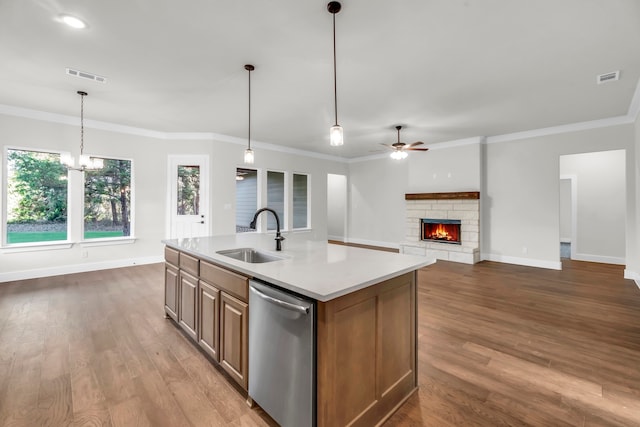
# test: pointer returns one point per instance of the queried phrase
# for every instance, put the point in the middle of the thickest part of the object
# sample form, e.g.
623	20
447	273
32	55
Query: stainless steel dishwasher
282	368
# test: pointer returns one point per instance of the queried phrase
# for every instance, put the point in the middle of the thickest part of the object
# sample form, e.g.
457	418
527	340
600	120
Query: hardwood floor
498	345
503	345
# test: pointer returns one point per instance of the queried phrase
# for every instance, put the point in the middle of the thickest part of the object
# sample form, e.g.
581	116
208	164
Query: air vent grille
85	75
608	77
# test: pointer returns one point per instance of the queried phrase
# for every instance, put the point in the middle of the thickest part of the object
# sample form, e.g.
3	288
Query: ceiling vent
608	77
85	75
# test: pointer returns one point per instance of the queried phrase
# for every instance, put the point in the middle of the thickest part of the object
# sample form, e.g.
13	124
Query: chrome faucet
279	237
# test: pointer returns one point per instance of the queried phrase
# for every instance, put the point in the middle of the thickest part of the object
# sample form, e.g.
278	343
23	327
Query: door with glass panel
188	191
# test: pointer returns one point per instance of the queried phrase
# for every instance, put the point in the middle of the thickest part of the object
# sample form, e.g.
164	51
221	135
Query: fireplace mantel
458	195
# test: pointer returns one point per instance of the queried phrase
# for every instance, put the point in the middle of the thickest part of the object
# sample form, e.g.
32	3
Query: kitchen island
365	340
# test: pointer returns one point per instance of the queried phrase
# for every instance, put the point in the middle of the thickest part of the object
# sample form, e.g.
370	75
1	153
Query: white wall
565	210
600	205
445	169
521	209
376	201
149	157
632	270
336	207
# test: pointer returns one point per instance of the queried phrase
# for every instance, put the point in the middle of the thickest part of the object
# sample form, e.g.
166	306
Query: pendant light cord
82	123
249	133
335	76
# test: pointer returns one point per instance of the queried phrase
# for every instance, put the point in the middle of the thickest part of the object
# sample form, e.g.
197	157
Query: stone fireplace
443	226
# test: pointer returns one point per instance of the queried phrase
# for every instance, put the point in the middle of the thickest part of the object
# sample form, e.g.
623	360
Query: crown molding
572	127
10	110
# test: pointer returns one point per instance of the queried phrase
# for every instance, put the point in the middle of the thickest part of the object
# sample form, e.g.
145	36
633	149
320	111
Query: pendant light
84	162
336	136
248	153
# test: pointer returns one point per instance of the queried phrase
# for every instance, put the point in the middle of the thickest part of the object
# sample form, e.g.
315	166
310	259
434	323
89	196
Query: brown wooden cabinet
366	353
171	272
188	296
211	304
234	338
209	319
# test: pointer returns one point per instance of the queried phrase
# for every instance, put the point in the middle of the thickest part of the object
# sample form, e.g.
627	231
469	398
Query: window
188	190
107	200
275	198
36	197
246	198
300	201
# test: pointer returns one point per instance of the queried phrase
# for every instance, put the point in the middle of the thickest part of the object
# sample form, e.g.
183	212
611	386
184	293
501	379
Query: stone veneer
458	206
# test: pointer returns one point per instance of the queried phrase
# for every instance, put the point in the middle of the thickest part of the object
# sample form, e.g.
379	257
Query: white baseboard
372	243
76	268
551	265
632	275
599	258
336	238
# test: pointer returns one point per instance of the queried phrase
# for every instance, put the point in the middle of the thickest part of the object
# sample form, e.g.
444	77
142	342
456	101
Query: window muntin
300	195
36	205
107	200
276	198
246	198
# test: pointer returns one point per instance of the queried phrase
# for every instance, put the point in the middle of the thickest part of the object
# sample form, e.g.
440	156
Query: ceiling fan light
336	136
248	156
398	155
73	22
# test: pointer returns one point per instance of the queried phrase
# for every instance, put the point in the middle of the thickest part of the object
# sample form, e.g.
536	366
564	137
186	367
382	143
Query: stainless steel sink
250	255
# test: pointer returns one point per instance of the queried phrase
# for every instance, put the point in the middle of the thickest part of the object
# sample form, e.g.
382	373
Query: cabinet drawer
171	255
225	280
189	264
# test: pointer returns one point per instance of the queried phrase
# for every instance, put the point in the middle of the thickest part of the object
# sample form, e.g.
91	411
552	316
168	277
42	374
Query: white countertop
316	269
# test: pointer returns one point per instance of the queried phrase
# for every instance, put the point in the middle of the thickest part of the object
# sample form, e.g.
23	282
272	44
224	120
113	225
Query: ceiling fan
400	148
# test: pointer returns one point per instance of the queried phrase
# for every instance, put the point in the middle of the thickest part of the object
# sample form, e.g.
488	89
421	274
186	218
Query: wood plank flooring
503	345
499	345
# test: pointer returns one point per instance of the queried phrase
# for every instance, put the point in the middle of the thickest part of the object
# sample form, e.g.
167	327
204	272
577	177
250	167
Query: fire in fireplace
441	230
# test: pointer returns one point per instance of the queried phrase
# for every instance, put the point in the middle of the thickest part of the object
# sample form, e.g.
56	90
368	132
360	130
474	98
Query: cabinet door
171	291
208	318
188	293
234	337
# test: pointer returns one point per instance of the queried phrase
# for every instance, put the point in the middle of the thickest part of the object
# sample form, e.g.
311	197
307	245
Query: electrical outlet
525	250
85	253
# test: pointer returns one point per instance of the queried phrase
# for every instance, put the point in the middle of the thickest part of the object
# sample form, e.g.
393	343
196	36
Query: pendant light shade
336	134
84	162
249	158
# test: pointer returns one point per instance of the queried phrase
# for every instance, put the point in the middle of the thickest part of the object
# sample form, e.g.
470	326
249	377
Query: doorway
188	196
593	200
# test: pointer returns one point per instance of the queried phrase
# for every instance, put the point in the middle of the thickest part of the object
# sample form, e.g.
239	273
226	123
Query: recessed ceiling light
73	22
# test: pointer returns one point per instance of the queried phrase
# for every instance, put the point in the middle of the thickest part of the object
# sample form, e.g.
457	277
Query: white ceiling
445	69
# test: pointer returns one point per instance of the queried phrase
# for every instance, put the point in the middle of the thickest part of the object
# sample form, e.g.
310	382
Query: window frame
284	221
75	209
308	222
101	240
4	229
259	182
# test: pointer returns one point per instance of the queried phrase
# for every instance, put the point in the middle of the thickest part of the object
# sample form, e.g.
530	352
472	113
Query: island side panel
366	344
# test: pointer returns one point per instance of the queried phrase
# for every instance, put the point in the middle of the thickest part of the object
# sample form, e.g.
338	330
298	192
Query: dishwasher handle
283	304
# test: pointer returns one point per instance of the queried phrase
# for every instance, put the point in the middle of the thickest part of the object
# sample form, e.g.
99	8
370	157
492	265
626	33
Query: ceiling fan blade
413	144
391	147
416	149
